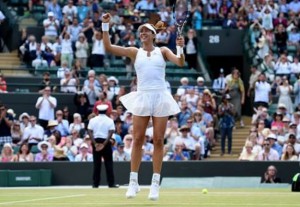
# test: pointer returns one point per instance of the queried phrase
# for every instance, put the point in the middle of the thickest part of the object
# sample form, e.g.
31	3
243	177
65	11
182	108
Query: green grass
82	197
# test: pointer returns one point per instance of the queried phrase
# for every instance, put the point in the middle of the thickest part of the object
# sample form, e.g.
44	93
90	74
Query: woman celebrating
24	154
7	153
151	100
290	153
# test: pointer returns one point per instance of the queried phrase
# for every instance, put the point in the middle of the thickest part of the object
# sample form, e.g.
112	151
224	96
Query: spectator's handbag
296	183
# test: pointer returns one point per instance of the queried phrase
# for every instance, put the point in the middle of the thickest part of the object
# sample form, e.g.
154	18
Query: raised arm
114	49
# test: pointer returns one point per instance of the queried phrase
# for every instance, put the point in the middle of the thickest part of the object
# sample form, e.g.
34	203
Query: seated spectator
294	37
39	61
70	150
30	48
248	154
61	71
268	154
147	149
242	23
63	125
183	87
289	154
7	153
178	154
33	134
16	132
49	56
3	85
292	141
106	89
68	84
270	175
59	155
277	121
119	154
43	155
24	154
113	83
77	124
172	132
24	121
84	155
184	114
274	145
78	71
230	21
128	140
81	102
200	87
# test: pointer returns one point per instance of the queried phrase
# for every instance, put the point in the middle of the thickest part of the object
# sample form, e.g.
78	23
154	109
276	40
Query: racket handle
179	51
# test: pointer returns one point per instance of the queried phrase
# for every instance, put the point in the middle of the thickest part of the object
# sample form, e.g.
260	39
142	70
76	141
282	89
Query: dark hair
20	149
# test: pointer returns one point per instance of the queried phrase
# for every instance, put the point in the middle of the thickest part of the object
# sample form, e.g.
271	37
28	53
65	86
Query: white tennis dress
152	97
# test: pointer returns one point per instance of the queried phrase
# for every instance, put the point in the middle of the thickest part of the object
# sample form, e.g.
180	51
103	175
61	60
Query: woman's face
7	151
290	149
24	148
146	35
249	149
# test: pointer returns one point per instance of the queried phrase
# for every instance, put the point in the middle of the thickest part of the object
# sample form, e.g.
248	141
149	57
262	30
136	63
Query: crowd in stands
73	43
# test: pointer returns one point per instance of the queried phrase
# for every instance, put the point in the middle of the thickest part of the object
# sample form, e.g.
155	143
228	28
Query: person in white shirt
68	84
282	67
219	83
66	48
51	26
45	43
268	154
98	51
46	105
262	93
33	133
84	155
77	124
62	70
100	130
70	10
82	48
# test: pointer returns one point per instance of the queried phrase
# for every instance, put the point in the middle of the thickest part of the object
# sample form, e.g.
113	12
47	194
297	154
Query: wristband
179	51
105	27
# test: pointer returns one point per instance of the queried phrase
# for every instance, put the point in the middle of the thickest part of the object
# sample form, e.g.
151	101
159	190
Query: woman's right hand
106	18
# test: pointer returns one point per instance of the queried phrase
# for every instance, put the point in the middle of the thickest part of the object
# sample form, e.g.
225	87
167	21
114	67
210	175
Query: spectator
183	87
103	100
226	113
268	67
219	83
200	87
294	6
45	43
3	85
59	154
62	70
84	155
184	114
295	69
77	124
46	104
33	134
45	82
294	37
113	85
70	10
39	61
82	104
285	91
191	98
270	176
98	52
68	84
268	154
16	132
247	153
119	154
230	21
289	154
274	144
178	154
262	93
63	125
82	50
6	121
297	92
67	115
69	149
54	7
191	49
172	132
7	153
145	5
162	37
147	149
24	154
267	20
197	19
57	47
24	121
252	80
235	88
87	29
43	155
293	141
74	30
208	102
50	128
82	10
282	66
128	142
66	48
51	26
281	38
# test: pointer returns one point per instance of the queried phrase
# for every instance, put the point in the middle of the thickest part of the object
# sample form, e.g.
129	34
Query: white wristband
105	27
179	51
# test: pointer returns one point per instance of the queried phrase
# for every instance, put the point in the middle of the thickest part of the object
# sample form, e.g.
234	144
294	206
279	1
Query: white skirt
157	103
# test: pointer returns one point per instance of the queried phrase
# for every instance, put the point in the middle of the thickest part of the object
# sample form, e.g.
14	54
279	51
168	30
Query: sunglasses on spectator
59	114
266	144
32	120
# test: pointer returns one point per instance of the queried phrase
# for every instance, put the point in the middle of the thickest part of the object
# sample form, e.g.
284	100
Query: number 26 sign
214	39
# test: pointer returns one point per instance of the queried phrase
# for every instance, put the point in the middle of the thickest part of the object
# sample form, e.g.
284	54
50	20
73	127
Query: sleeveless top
150	71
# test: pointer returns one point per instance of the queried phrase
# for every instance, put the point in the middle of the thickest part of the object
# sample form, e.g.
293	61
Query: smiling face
146	35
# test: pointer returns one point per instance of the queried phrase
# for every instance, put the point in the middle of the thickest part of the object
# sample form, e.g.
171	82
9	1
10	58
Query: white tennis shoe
154	192
132	190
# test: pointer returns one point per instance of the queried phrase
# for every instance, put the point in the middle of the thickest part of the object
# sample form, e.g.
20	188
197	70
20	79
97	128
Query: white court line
42	199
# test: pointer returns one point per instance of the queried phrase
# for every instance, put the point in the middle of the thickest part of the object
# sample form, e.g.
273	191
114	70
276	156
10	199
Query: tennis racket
181	12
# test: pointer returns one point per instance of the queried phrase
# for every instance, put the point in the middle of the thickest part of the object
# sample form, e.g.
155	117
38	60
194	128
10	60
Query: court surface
86	196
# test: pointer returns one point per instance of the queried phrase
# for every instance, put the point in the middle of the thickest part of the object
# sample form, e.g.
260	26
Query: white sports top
150	71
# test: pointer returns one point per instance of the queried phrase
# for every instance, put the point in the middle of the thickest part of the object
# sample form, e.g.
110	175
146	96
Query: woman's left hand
180	41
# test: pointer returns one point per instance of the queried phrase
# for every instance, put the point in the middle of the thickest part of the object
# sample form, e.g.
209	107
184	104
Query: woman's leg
159	128
139	129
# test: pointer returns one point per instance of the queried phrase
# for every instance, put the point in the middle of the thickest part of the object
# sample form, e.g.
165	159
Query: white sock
133	176
156	178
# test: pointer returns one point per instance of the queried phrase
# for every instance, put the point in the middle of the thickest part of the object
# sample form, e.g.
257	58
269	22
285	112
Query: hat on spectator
84	145
11	112
286	119
148	26
102	107
52	123
23	115
221	70
200	79
281	106
184	79
76	115
8	145
184	127
40	144
120	144
59	152
50	14
292	124
272	136
113	78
